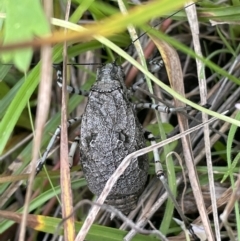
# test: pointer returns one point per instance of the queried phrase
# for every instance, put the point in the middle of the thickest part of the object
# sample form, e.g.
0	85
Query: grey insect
109	131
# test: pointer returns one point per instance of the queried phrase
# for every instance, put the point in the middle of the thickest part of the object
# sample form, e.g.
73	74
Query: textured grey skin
109	132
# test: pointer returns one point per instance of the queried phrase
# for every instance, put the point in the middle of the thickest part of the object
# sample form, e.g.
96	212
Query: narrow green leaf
17	105
4	70
231	164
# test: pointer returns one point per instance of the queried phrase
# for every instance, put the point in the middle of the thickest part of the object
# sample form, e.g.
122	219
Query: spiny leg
160	174
70	89
42	160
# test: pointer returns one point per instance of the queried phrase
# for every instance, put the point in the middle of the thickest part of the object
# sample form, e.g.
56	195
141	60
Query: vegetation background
33	37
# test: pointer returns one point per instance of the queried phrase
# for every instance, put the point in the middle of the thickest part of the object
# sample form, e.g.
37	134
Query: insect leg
154	65
70	89
160	174
42	160
72	151
160	108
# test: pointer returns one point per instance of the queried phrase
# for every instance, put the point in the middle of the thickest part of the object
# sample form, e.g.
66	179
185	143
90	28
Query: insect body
109	132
